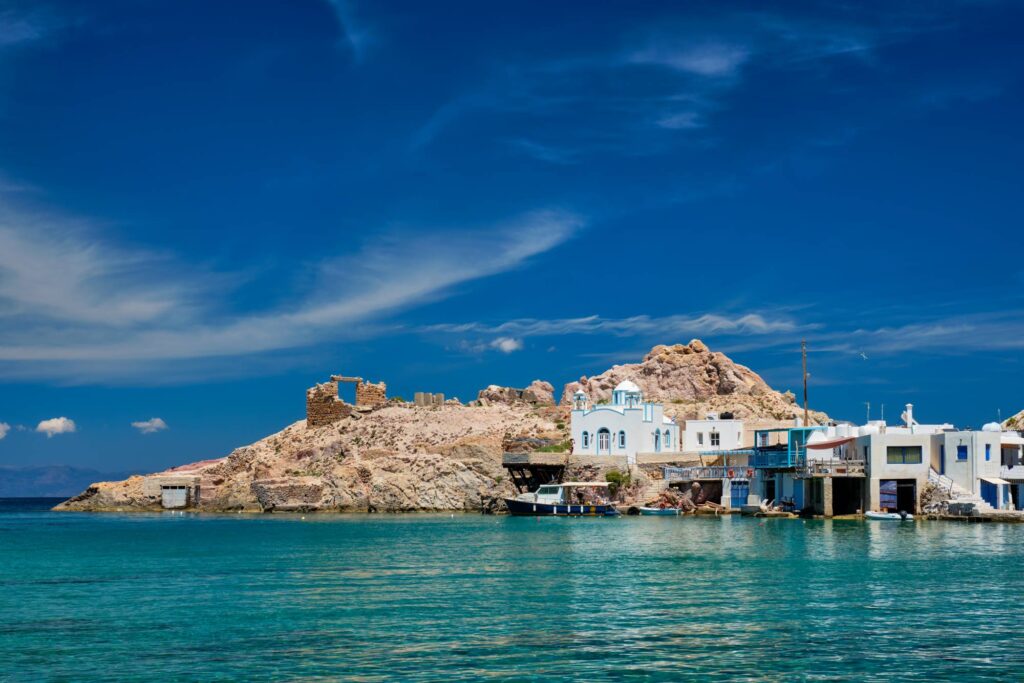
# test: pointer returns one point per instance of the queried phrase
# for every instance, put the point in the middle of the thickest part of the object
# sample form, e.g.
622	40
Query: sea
467	597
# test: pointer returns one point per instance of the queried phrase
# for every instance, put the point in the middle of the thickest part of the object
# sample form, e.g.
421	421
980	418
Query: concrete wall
730	433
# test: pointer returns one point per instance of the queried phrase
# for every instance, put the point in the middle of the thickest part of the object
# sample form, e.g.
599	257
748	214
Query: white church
626	426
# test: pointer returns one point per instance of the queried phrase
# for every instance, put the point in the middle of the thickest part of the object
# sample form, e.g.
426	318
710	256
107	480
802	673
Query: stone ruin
324	406
425	399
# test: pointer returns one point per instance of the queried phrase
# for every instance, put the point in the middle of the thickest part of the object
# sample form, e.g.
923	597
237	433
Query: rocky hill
387	455
1015	423
692	380
396	458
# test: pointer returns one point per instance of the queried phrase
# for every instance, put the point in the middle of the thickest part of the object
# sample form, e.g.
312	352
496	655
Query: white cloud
56	425
746	324
710	59
507	344
4	428
110	306
150	426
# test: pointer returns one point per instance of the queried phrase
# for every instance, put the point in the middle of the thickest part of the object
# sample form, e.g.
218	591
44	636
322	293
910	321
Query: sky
207	207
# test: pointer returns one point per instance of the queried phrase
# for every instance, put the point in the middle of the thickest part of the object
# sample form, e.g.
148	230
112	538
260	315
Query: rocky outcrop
1015	423
693	380
393	459
539	393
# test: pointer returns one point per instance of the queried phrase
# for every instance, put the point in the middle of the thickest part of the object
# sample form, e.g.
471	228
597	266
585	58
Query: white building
713	434
626	426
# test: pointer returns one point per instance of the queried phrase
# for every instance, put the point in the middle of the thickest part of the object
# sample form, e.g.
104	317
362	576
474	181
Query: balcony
673	474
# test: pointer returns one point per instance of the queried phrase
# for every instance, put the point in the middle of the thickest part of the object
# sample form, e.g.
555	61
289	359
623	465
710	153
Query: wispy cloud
55	426
700	58
69	299
150	426
19	26
357	35
4	428
640	325
679	75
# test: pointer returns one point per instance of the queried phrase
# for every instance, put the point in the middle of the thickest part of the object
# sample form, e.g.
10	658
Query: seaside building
714	433
842	469
626	426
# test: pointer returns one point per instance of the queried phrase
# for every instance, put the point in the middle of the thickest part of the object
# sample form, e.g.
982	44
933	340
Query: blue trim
961	452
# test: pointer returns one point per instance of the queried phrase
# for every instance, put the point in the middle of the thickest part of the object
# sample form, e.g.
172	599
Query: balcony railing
709	472
834	468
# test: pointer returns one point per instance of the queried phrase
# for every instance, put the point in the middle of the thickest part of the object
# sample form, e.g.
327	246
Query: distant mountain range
51	480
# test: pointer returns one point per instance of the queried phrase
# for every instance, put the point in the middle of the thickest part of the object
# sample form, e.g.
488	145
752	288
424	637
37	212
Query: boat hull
527	508
888	516
659	512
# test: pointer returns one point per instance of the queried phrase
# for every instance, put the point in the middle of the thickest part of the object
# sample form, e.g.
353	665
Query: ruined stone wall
425	399
370	394
323	405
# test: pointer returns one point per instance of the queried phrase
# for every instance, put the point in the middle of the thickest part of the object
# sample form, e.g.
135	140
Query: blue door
990	494
739	493
942	458
887	494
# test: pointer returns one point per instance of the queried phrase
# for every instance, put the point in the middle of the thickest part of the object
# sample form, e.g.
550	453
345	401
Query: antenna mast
803	353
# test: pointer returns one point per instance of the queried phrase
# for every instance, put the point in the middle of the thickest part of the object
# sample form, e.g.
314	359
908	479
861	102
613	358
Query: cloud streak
69	299
745	324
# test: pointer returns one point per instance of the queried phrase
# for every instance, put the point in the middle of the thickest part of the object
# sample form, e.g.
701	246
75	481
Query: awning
822	445
994	480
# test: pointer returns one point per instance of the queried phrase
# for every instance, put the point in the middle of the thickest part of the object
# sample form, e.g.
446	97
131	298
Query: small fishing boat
556	499
897	516
658	512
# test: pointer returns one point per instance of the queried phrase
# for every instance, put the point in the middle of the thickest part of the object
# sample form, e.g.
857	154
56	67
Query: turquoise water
179	597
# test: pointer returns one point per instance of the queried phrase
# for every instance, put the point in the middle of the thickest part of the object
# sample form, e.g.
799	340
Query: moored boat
658	512
555	500
896	516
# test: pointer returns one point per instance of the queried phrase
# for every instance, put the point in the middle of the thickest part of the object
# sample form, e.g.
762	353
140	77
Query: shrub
616	481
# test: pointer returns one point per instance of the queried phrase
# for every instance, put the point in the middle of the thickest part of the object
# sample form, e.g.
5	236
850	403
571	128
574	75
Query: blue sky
206	207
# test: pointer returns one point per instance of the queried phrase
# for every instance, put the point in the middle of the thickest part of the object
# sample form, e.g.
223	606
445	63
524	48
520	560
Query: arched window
622	439
668	440
586	439
604	441
657	441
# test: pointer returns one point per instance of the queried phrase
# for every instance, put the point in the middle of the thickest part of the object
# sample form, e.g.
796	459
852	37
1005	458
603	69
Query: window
586	439
988	452
668	439
547	490
622	439
716	439
903	455
604	440
961	452
700	438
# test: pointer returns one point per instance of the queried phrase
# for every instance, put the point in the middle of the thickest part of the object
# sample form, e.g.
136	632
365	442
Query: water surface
435	597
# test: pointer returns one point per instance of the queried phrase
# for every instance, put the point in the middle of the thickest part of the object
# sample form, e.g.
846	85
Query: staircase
957	493
651	491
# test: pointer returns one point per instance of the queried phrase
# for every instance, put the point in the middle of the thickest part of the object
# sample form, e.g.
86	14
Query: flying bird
863	355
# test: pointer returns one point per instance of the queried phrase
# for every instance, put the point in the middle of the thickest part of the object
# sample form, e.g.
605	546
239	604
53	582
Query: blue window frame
622	439
988	452
586	439
961	452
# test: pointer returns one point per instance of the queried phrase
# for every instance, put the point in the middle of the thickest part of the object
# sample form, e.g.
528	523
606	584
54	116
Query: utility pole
867	417
803	353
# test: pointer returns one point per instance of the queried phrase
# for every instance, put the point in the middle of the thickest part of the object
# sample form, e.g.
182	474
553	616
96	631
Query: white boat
659	512
897	516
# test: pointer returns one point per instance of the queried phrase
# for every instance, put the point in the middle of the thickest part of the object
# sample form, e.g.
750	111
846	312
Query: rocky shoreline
394	456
